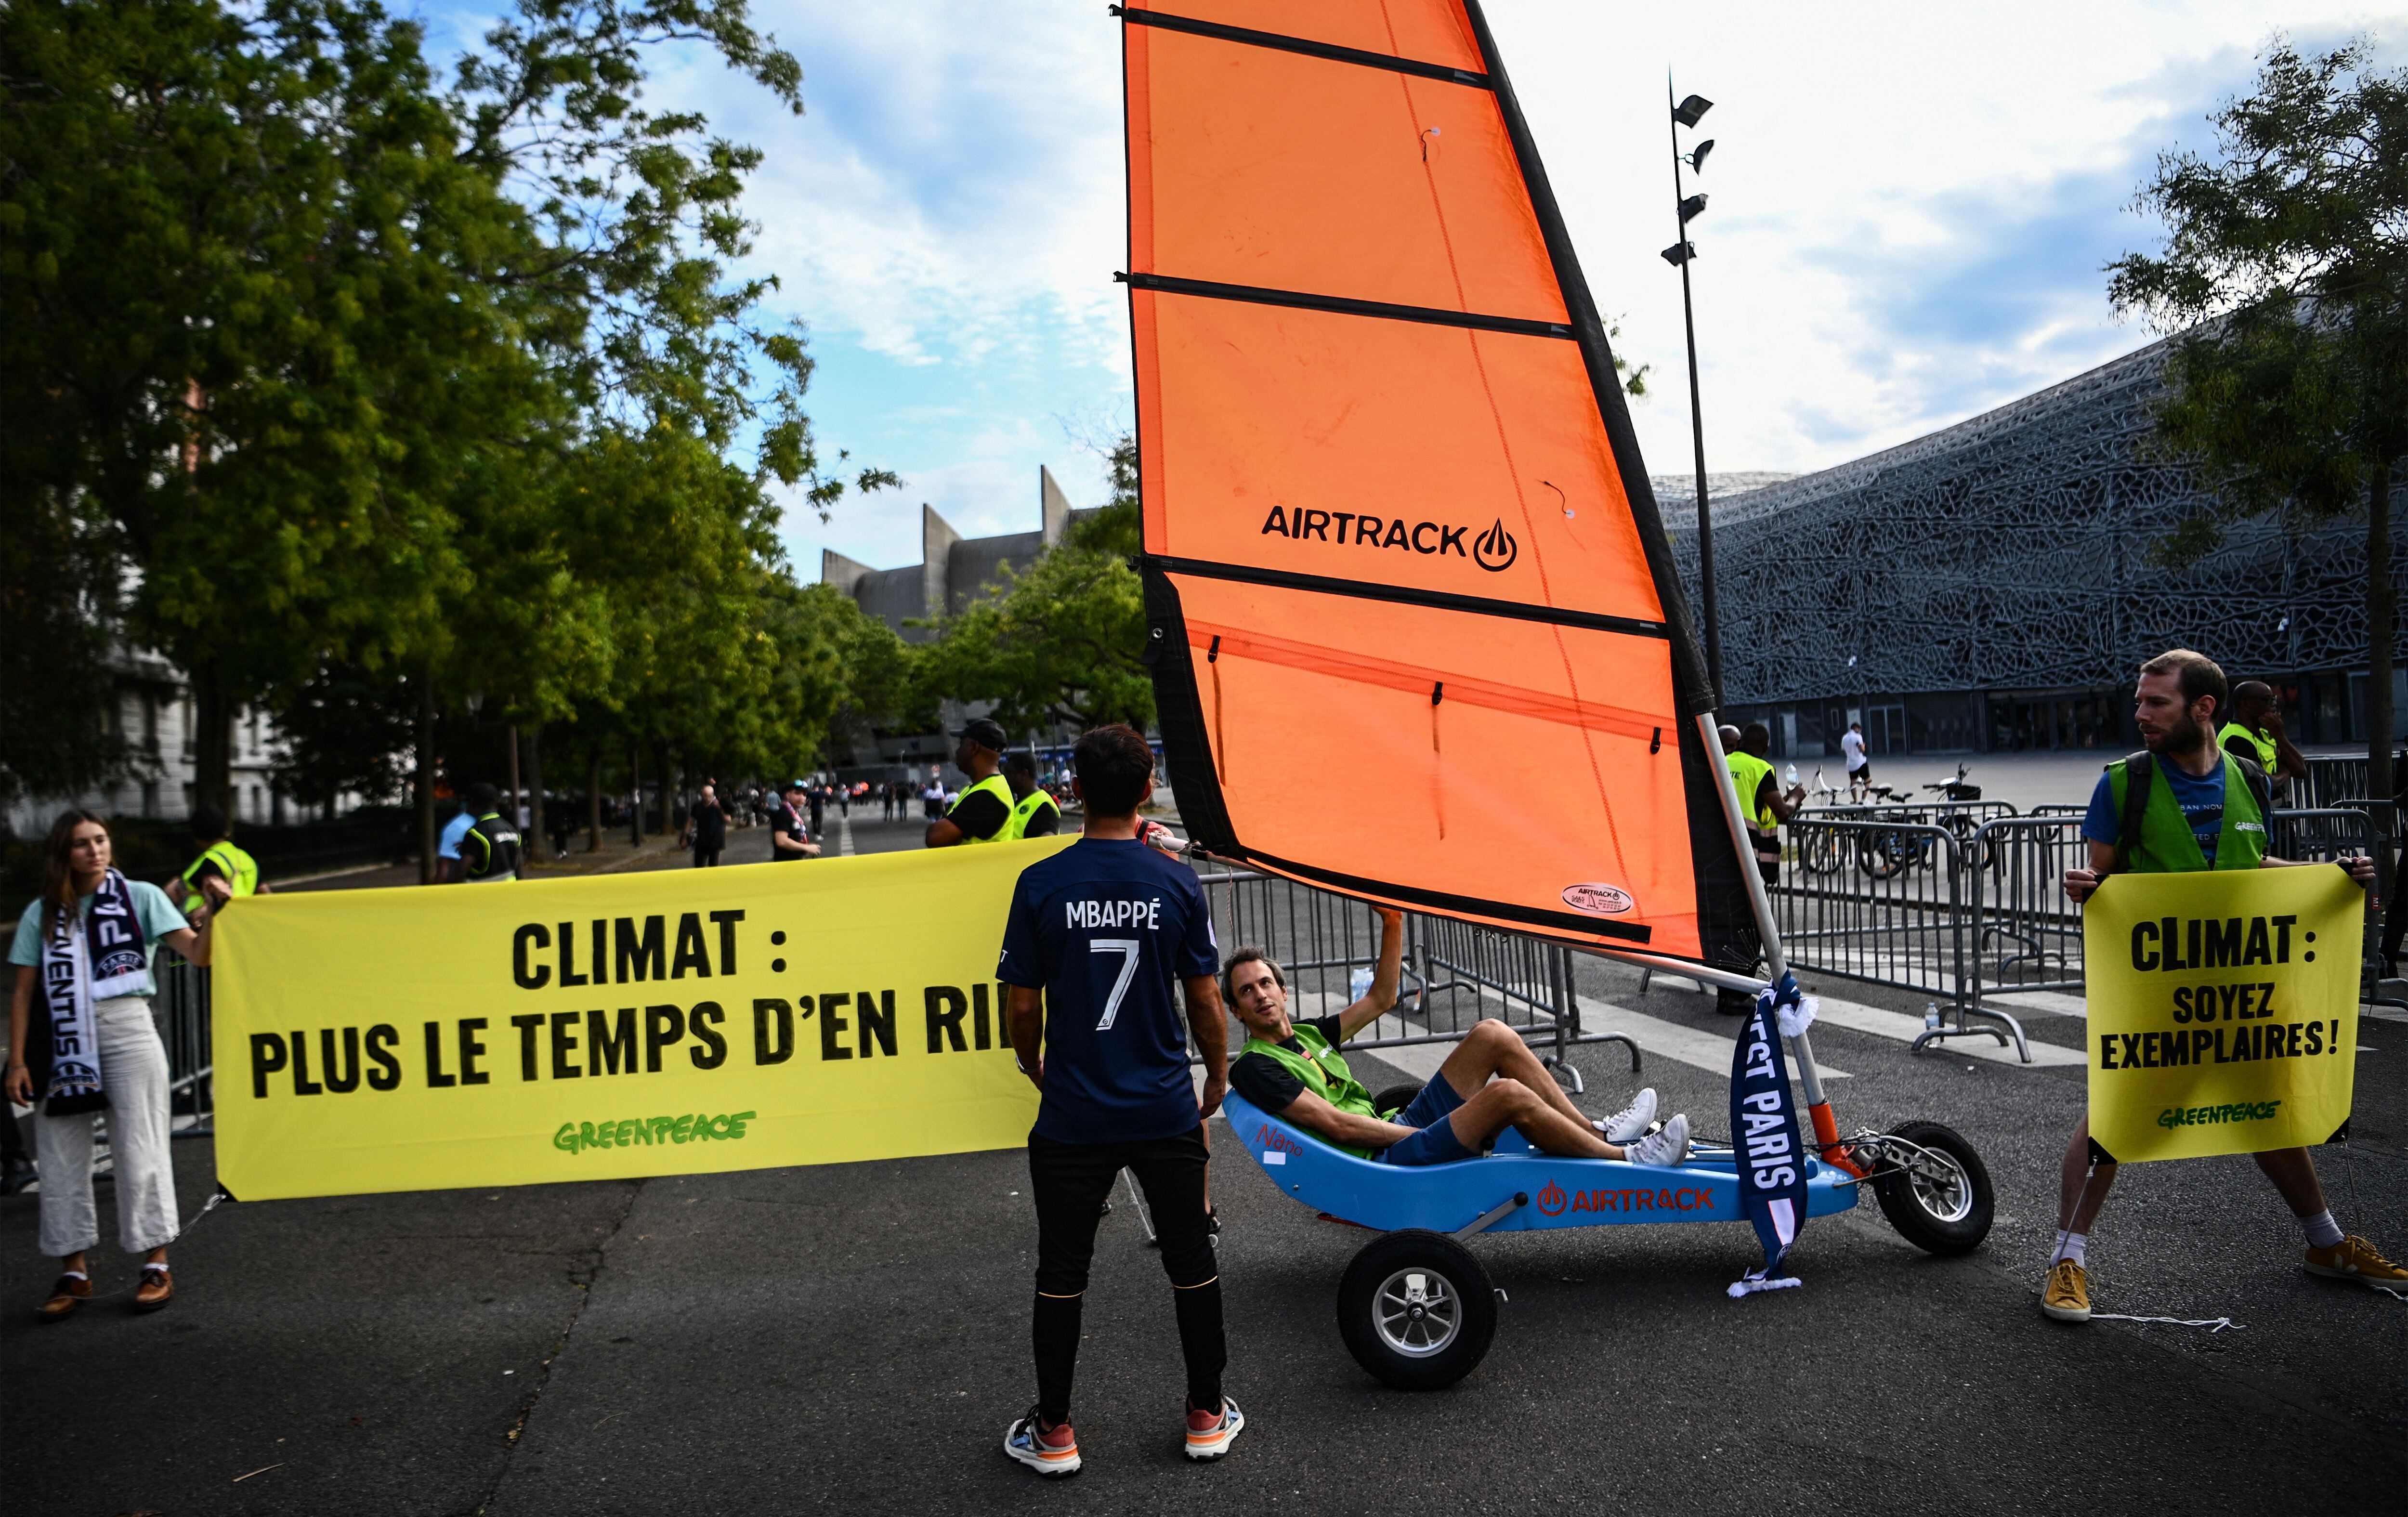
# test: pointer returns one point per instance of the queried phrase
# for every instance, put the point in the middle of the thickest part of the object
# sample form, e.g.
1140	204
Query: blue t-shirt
2202	802
448	847
1108	929
153	913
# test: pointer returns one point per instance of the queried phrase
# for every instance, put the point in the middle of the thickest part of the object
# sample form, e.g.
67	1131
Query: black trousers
1071	1183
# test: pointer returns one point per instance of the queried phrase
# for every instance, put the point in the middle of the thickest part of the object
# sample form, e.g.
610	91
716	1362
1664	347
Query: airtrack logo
1599	900
1494	550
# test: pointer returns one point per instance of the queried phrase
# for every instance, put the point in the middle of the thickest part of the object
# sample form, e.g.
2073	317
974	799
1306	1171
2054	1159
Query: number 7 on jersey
1127	948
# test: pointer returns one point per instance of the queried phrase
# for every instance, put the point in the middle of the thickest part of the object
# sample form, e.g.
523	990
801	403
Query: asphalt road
854	1338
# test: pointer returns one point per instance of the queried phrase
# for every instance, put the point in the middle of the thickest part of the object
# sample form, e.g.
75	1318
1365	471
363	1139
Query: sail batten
1412	625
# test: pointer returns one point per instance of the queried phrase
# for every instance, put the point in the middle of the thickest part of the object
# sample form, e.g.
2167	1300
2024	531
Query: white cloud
1910	203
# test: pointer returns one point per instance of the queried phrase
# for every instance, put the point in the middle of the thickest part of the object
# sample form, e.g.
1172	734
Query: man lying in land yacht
1490	1082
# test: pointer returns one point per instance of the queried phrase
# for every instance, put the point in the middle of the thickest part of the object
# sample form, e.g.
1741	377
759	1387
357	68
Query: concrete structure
954	570
954	573
1993	586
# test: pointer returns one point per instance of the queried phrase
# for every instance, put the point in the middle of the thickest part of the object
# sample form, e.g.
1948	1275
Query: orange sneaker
2355	1259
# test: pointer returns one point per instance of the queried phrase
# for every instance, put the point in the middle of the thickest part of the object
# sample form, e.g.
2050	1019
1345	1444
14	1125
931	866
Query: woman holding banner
2185	805
85	948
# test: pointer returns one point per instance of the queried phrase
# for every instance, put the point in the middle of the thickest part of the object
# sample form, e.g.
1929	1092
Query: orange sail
1415	633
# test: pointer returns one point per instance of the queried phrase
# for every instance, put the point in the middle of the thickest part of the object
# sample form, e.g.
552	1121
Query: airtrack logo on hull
1494	550
1599	900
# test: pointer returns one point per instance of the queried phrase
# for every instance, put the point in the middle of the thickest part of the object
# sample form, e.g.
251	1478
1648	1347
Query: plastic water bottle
1789	776
1931	1017
1359	984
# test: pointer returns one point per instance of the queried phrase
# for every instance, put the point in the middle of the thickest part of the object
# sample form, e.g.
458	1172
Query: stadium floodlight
1697	155
1679	253
1690	111
1692	209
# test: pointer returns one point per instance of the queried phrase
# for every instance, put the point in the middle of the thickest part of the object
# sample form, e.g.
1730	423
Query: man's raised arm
1382	993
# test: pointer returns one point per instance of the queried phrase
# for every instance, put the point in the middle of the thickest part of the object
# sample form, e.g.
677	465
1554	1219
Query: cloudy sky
1910	205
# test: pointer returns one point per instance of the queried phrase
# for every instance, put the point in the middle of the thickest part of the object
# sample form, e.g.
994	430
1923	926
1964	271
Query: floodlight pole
1697	417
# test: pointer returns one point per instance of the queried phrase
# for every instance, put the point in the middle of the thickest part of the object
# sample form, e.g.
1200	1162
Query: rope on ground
2214	1324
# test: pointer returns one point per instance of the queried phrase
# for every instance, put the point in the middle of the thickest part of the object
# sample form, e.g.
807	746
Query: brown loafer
67	1295
157	1289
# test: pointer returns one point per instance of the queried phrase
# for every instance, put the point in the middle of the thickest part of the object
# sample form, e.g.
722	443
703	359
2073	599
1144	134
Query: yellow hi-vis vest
1031	807
997	786
2263	747
1749	773
240	870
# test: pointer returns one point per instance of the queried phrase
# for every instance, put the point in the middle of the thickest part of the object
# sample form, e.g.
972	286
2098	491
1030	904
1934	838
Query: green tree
2285	270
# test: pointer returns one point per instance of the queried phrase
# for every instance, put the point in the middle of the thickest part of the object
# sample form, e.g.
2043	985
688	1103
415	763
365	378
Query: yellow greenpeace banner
2223	1009
676	1023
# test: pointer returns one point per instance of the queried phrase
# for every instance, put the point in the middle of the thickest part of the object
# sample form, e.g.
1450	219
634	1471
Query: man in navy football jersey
1102	940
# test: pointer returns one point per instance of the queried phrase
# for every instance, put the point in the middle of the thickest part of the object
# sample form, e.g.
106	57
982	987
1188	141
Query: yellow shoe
2067	1297
2355	1259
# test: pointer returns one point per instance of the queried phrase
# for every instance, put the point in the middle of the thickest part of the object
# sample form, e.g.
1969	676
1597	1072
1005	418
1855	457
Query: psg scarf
84	962
1769	1149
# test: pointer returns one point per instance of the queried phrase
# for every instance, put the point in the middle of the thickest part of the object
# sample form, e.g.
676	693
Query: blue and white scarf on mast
82	965
1770	1148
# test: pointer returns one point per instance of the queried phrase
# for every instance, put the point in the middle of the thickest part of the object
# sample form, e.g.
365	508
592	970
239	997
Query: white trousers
133	1072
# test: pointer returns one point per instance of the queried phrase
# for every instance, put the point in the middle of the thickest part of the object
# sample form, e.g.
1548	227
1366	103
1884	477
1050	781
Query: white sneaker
1666	1146
1628	1123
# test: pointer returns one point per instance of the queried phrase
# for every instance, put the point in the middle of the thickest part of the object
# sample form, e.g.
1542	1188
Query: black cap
985	732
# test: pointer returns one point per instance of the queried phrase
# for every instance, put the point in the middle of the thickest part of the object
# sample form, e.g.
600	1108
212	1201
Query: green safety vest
1026	811
2268	754
240	869
1750	773
1324	1074
997	786
2167	845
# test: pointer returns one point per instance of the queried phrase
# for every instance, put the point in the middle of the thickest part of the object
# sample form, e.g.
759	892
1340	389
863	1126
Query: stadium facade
1993	586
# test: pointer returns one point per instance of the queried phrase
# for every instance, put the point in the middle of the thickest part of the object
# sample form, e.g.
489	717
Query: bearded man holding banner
2186	805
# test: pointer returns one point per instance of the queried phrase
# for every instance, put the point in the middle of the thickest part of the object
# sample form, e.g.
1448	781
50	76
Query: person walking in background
83	1039
1860	768
706	828
488	849
790	835
447	868
219	857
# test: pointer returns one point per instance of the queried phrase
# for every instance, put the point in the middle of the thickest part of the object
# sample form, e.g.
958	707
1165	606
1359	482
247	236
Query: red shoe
1053	1453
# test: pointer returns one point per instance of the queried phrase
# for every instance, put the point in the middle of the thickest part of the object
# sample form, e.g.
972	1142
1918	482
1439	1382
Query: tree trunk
212	742
635	796
2382	614
593	800
511	733
664	813
531	848
425	780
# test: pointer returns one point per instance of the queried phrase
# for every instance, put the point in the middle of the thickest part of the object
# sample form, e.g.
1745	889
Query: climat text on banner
660	1024
2223	1009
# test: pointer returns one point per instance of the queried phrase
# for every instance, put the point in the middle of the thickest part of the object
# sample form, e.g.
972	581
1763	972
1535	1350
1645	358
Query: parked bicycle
1879	853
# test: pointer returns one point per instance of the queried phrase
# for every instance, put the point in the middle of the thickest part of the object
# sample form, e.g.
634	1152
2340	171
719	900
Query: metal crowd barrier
1454	975
183	1010
1875	900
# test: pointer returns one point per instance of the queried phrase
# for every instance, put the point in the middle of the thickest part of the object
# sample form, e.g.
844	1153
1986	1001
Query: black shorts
1862	773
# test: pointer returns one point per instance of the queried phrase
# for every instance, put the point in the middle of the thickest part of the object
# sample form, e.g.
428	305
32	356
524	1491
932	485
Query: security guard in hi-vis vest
489	850
1034	813
218	857
982	813
2255	732
1766	806
2186	804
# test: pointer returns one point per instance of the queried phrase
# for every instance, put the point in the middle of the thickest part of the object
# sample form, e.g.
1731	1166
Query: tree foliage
2286	272
351	387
